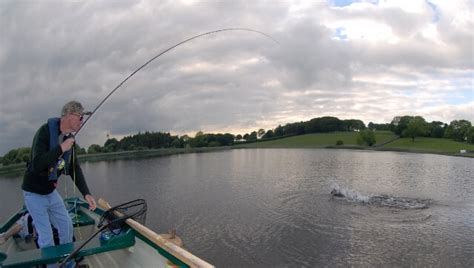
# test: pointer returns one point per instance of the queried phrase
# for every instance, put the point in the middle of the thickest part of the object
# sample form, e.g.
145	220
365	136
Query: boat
134	245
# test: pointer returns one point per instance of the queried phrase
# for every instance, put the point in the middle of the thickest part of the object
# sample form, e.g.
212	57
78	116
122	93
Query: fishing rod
157	56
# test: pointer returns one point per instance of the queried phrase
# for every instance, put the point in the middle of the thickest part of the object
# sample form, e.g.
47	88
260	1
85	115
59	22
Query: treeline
315	125
159	140
22	155
416	126
404	126
140	141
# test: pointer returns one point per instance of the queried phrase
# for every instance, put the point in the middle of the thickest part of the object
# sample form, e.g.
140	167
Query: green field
319	140
429	145
385	140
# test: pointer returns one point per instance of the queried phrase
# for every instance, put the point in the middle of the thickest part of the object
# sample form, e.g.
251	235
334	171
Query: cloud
308	55
370	60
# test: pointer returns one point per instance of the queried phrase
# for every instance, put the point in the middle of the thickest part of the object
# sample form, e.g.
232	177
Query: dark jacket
42	158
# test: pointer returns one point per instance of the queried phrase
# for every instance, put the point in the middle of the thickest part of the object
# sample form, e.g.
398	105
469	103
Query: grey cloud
308	55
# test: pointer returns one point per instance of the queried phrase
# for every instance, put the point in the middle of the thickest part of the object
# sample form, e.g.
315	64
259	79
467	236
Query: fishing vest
55	170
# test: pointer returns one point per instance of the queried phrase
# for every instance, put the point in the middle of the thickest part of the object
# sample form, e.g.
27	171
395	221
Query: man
23	227
53	154
20	227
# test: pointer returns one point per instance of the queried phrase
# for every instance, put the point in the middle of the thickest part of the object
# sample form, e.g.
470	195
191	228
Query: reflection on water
273	207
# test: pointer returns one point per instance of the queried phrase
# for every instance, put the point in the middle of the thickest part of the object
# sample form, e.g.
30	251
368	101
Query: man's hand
90	199
67	144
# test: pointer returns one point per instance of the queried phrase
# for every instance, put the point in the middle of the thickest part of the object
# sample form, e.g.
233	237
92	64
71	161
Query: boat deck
127	249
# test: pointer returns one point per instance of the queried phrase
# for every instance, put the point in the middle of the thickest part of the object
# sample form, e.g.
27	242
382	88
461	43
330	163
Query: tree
16	156
375	126
400	123
268	135
177	143
260	133
94	149
279	131
436	129
324	124
253	136
212	140
353	125
199	141
226	139
80	150
112	145
366	137
458	129
415	127
470	135
9	158
294	129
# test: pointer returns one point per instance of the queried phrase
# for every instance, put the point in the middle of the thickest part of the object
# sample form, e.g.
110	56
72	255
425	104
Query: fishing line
161	53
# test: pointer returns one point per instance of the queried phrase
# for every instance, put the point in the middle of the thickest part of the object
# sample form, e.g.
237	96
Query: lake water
273	207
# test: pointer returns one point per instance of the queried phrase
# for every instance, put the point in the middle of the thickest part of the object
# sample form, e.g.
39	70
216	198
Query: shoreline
17	169
400	150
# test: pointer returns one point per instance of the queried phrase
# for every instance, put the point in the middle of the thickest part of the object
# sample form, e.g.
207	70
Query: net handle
114	216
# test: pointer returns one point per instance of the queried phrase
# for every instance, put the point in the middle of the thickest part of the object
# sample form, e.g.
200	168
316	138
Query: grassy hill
386	140
319	140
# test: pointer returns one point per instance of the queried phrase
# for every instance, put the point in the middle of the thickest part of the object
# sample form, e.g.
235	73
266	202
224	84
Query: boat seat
57	253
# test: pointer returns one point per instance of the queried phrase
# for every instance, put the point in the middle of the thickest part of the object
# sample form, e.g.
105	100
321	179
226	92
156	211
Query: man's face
75	120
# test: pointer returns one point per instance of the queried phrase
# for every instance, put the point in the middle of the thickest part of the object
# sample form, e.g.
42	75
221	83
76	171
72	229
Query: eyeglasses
81	117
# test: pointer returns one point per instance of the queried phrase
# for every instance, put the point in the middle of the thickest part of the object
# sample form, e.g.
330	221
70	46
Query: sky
368	60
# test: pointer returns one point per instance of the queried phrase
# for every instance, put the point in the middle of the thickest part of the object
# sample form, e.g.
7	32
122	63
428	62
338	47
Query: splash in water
378	200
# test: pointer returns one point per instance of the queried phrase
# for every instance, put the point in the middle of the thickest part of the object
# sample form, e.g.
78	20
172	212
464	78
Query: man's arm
78	177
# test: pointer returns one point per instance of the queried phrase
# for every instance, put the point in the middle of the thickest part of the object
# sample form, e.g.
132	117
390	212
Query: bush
366	137
16	156
339	142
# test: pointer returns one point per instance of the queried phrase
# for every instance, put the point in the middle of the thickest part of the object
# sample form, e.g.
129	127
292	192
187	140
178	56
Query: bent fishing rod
160	54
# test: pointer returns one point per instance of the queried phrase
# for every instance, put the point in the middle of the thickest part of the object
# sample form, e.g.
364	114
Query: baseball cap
74	107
